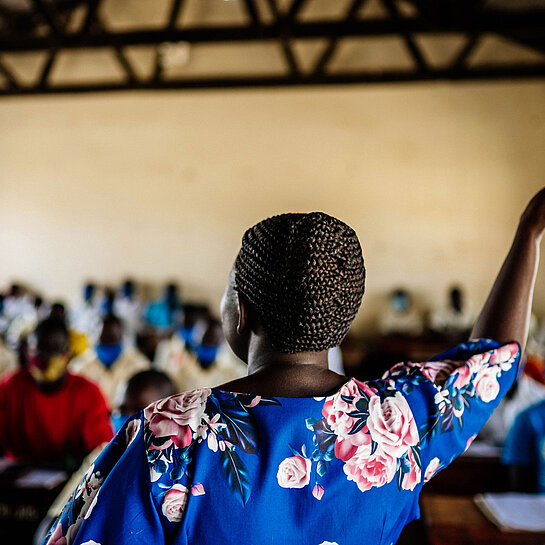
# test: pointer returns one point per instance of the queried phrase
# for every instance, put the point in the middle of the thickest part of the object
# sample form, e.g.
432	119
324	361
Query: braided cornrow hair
304	276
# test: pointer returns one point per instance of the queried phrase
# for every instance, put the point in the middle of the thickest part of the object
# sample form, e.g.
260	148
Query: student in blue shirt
524	450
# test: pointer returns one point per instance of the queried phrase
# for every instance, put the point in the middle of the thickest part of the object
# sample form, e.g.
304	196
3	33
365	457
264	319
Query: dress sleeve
112	504
453	395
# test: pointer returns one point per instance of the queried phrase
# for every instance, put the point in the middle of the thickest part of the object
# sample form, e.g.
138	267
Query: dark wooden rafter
252	12
285	41
331	47
520	24
460	61
9	77
525	27
410	44
175	11
46	68
50	16
90	16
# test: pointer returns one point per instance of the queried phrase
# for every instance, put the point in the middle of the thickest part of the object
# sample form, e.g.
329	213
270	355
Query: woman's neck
289	377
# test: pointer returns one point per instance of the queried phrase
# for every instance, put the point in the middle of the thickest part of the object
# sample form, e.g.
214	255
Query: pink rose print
504	356
438	371
335	411
487	386
294	472
371	470
318	492
174	503
132	430
464	376
347	447
56	537
432	468
177	417
255	401
413	478
197	490
392	424
469	441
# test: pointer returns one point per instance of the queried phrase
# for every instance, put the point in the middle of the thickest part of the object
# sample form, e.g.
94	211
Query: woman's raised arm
506	314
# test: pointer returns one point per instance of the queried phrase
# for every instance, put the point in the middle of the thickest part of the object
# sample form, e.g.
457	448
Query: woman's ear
242	315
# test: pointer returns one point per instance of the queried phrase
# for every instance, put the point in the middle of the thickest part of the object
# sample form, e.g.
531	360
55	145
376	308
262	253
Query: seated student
166	312
402	317
30	312
140	391
76	340
523	394
524	450
128	307
198	359
110	364
85	317
47	413
455	318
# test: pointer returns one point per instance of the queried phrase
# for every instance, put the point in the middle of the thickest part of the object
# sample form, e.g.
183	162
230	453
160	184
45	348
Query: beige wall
163	185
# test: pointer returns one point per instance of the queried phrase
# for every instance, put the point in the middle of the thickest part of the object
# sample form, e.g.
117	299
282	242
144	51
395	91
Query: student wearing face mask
47	413
111	363
402	316
197	356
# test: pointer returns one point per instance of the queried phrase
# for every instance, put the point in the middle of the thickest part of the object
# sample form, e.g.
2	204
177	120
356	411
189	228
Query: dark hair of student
151	379
304	276
51	326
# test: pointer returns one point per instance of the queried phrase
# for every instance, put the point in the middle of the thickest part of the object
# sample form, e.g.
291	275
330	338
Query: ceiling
66	46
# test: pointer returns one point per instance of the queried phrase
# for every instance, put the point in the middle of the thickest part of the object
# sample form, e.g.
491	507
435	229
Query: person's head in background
128	289
147	341
296	286
140	391
58	312
195	323
172	296
456	299
108	302
400	301
89	291
110	345
15	291
212	339
48	354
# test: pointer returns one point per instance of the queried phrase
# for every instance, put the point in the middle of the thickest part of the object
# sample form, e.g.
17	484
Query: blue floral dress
217	467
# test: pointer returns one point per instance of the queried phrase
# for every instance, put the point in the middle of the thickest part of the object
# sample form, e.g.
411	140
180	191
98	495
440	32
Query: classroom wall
161	186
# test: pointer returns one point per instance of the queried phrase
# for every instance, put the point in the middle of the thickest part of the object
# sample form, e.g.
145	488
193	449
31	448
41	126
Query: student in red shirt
46	413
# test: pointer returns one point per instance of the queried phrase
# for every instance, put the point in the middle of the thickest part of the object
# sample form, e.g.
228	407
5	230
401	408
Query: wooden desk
22	509
470	475
452	520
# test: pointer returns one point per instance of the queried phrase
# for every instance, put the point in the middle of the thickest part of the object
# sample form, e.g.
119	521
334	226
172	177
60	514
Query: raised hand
532	220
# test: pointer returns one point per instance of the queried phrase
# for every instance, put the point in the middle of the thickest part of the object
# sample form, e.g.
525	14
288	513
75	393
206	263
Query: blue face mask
186	333
108	353
118	421
400	303
206	355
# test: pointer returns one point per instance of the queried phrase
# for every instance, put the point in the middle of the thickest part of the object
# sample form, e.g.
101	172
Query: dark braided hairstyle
304	276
